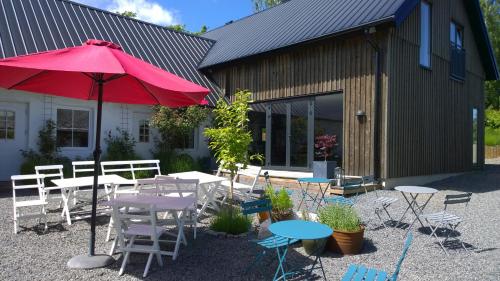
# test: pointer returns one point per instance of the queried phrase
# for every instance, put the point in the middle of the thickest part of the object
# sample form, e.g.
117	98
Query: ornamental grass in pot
348	232
281	202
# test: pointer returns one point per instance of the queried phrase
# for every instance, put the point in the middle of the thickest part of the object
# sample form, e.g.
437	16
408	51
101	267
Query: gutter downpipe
376	102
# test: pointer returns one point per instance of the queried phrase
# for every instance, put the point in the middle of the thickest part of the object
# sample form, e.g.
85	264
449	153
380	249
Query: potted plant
347	237
312	246
281	202
324	145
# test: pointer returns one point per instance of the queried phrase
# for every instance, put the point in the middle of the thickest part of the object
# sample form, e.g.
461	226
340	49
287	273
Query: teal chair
362	273
270	243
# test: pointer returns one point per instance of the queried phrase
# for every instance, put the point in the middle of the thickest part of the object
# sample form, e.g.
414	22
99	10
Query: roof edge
390	19
137	20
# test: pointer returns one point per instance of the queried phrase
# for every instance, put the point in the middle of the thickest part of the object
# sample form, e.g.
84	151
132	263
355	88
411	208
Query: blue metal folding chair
361	273
270	243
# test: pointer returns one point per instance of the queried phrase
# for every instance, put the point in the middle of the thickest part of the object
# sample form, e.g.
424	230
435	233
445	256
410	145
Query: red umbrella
101	71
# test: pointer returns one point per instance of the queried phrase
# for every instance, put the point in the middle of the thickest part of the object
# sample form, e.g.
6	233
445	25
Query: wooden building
399	82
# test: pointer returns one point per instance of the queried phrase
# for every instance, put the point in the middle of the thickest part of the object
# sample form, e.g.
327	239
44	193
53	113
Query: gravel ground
34	255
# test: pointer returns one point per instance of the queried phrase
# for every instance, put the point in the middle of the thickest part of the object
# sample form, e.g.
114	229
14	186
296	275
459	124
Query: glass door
299	132
278	134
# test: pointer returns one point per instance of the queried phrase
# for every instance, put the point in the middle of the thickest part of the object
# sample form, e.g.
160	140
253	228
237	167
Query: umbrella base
89	262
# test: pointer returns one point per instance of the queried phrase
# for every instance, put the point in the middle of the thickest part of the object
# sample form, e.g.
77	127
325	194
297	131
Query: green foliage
231	221
491	136
176	123
340	217
230	138
120	146
47	152
182	28
281	202
128	14
491	12
183	163
492	118
260	5
172	162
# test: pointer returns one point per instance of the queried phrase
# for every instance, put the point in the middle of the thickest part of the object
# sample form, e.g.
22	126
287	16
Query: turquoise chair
362	273
270	243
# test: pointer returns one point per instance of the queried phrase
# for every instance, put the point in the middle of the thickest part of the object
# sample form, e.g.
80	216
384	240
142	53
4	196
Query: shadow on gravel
482	181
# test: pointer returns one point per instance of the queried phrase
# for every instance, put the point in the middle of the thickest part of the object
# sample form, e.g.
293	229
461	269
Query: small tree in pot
347	237
325	146
281	202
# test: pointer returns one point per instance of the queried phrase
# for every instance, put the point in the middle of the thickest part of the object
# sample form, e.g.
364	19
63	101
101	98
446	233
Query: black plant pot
324	169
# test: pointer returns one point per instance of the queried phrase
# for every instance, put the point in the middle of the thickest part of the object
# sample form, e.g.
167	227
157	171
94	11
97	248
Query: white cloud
146	10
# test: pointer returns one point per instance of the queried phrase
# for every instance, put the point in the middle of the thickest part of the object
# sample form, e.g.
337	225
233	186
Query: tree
491	11
260	5
230	138
128	14
182	28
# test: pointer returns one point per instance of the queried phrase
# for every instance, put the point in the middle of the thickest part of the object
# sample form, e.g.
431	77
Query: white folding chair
30	202
131	225
52	172
82	169
169	186
381	203
445	221
243	190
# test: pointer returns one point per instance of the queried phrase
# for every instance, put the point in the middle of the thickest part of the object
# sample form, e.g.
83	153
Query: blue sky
192	13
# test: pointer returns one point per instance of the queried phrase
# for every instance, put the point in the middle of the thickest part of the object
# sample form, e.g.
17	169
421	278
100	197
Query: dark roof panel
294	22
28	26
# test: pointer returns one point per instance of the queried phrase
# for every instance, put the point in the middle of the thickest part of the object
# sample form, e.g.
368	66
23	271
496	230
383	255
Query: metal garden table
410	194
316	198
298	229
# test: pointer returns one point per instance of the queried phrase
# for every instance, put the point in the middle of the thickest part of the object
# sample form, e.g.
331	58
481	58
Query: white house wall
40	108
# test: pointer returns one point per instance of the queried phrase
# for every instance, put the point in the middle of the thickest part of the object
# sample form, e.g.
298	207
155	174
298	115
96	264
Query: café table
302	230
411	194
309	195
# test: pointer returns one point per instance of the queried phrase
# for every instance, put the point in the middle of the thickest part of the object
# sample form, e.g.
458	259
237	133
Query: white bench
132	167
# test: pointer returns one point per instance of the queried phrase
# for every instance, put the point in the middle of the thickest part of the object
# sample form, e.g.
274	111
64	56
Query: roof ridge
134	19
248	16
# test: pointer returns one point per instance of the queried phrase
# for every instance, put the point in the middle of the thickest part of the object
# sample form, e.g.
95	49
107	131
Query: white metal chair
246	191
19	182
52	172
169	186
81	169
445	221
381	203
131	225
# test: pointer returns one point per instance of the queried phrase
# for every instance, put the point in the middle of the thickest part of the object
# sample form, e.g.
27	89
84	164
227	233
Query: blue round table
298	229
314	197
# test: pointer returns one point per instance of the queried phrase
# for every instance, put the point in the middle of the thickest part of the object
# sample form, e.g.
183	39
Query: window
144	131
474	136
72	128
425	34
457	52
186	142
7	124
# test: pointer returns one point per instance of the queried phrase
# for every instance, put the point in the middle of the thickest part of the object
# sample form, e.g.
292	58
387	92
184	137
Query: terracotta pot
346	243
263	216
283	216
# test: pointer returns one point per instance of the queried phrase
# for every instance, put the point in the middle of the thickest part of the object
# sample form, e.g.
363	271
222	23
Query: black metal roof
298	21
29	26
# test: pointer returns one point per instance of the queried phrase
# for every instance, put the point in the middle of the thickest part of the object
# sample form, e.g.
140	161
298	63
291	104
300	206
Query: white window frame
90	128
425	35
6	127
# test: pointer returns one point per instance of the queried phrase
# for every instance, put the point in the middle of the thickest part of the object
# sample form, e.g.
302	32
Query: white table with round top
410	194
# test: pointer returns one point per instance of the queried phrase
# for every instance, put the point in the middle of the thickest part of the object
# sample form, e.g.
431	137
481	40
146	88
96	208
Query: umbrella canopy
101	71
71	72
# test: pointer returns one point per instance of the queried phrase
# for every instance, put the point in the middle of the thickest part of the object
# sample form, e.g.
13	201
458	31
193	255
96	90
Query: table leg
66	197
281	261
303	195
407	208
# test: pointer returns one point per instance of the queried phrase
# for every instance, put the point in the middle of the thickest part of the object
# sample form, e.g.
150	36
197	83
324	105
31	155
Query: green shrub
340	217
183	163
120	147
281	202
492	136
492	118
230	220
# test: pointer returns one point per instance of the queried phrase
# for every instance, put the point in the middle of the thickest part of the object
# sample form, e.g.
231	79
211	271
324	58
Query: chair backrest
457	199
409	239
256	206
253	172
134	167
122	218
26	183
147	186
50	171
82	167
174	187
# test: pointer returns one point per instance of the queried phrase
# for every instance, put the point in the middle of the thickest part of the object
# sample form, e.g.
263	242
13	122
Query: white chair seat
442	217
385	200
143	230
29	203
241	187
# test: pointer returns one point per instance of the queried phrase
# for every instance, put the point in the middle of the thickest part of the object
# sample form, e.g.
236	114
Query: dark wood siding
429	114
345	65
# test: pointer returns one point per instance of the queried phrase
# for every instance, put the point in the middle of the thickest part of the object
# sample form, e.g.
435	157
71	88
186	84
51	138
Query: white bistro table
410	194
175	205
70	184
209	186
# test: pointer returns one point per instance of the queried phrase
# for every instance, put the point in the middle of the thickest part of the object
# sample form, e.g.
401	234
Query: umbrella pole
92	260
